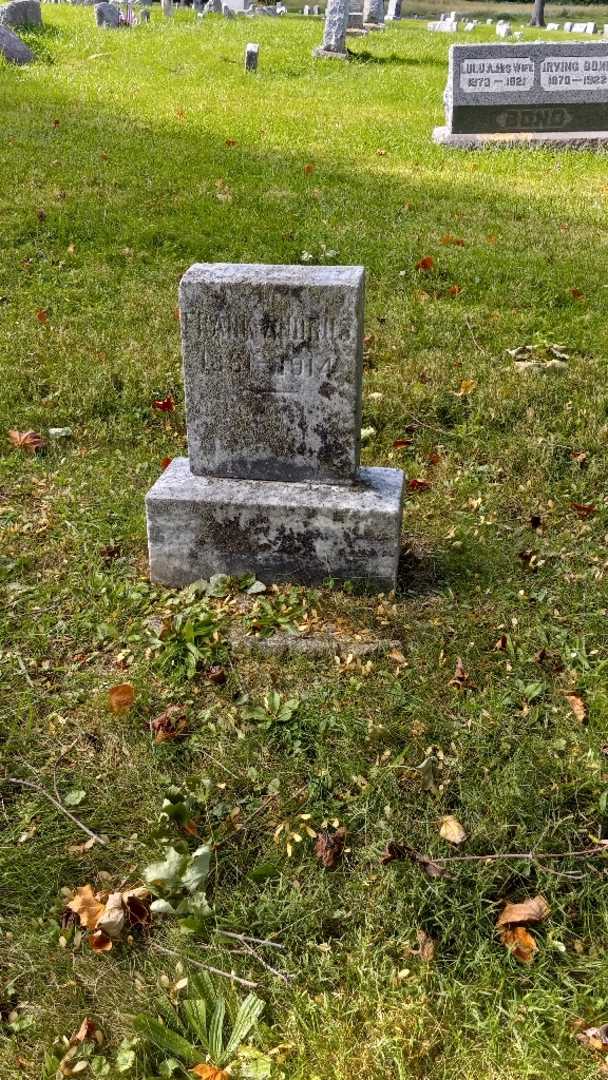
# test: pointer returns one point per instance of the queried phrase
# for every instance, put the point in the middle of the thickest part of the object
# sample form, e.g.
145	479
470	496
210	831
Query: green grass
113	157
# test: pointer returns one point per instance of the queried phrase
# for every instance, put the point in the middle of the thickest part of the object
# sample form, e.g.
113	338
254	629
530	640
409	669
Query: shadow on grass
402	61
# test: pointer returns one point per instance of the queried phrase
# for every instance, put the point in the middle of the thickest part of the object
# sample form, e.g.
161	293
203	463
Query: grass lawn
126	157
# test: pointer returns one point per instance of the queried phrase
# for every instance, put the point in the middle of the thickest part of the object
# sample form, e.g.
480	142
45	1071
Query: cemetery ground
125	157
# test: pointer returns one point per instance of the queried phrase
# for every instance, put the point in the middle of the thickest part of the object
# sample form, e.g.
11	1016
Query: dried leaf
166	404
584	510
534	910
577	705
576	294
169	724
112	919
520	943
417	483
426	946
210	1072
100	942
381	153
87	1032
461	678
329	847
426	263
42	315
401	444
466	387
216	674
393	852
595	1038
231	142
501	644
86	905
453	241
121	697
454	290
309	169
451	830
30	441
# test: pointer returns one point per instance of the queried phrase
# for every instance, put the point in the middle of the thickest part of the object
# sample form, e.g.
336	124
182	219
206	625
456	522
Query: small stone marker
21	13
552	26
13	49
503	29
252	52
373	13
107	15
536	93
272	370
334	34
166	7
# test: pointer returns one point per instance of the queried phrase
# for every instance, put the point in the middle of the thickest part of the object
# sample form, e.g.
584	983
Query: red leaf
426	263
30	441
576	294
42	316
401	444
166	404
418	484
165	463
583	510
454	290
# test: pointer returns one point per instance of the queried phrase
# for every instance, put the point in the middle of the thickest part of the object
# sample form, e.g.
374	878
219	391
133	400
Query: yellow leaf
451	829
209	1072
86	905
520	942
121	697
578	706
466	387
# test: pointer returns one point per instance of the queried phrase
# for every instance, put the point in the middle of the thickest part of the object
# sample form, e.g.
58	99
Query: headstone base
327	54
306	533
554	140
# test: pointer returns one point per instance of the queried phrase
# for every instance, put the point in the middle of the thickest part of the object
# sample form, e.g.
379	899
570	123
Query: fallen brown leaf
534	910
87	1032
451	830
466	387
426	946
454	290
87	906
30	441
210	1072
584	510
170	724
42	315
166	404
329	847
121	697
576	294
401	444
99	941
461	678
453	241
309	169
426	263
231	142
166	461
520	943
577	705
595	1038
417	483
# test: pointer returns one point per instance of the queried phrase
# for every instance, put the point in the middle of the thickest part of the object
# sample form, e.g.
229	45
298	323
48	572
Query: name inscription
573	72
497	76
534	119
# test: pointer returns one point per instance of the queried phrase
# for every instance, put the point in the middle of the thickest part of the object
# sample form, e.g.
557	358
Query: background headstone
13	49
527	92
252	53
21	13
107	15
373	12
334	34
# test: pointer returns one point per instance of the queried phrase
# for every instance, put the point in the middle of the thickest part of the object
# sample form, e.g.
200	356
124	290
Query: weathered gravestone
394	10
252	55
107	15
536	93
334	33
272	369
13	49
373	14
21	13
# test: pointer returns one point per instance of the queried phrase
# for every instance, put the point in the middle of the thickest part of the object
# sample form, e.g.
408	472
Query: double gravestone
272	369
536	93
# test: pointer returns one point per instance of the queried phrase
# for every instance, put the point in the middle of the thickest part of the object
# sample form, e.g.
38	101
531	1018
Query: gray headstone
272	370
355	20
21	13
334	34
13	49
373	12
252	54
394	9
272	367
107	15
503	29
529	89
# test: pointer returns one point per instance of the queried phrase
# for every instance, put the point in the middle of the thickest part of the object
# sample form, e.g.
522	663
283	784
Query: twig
254	940
207	967
475	341
597	849
59	805
250	951
431	427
